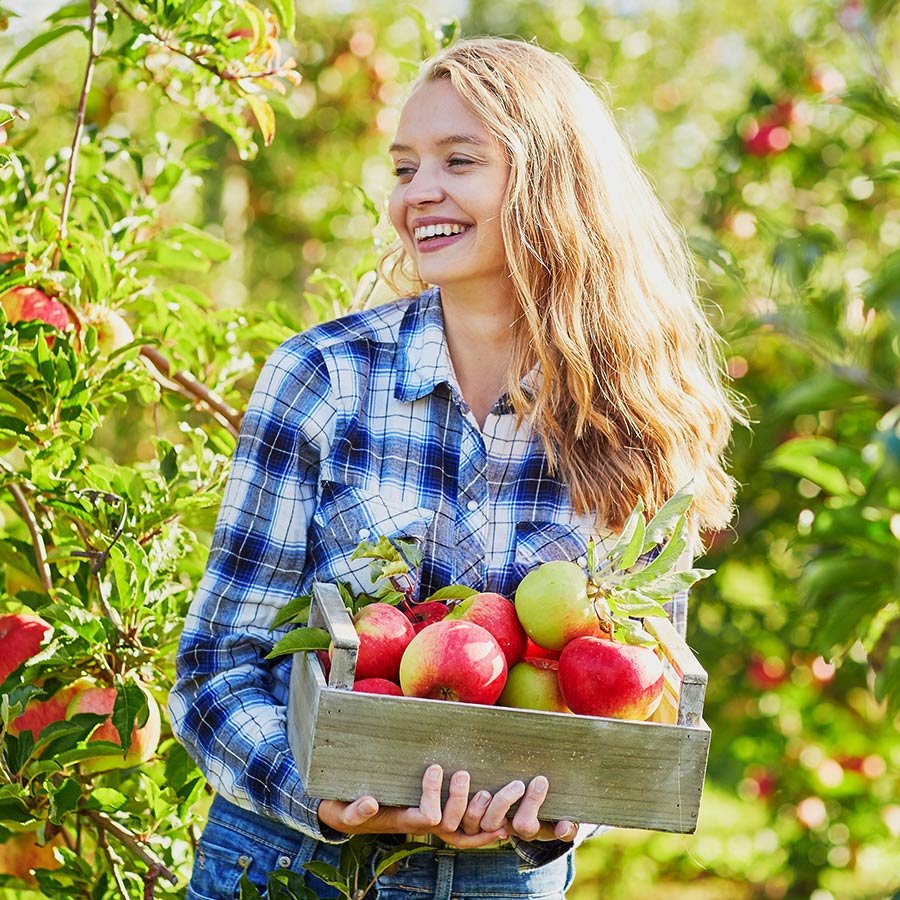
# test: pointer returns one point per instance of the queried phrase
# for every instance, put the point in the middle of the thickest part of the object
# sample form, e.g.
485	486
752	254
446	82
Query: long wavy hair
630	400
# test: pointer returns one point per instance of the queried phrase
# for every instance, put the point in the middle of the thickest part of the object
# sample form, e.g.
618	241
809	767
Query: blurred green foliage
771	132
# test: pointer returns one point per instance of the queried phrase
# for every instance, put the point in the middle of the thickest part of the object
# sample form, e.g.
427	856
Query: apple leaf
300	640
667	516
64	799
629	631
130	707
633	526
296	612
398	855
249	891
325	872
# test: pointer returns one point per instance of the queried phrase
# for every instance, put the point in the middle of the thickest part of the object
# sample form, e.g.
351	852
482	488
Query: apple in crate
498	615
384	633
454	660
553	605
377	686
426	612
534	684
600	677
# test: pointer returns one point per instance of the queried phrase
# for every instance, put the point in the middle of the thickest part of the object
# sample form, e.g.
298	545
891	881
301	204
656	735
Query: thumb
360	811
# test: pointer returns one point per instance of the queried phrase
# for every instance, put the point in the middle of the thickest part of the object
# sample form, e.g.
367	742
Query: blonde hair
630	401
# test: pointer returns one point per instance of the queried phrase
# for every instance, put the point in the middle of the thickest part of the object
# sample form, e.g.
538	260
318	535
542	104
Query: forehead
434	114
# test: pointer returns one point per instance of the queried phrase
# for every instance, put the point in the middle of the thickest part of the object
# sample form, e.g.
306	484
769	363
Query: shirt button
284	862
243	861
472	505
363	533
582	560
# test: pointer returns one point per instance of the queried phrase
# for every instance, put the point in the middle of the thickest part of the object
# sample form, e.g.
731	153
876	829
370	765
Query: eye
404	173
458	162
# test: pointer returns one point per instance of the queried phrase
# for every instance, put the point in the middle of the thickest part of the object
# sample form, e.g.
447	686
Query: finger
430	803
565	831
462	841
525	821
471	821
359	811
457	802
499	806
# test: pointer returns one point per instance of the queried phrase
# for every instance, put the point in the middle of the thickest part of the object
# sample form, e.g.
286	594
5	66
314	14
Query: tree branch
139	849
227	414
76	139
37	538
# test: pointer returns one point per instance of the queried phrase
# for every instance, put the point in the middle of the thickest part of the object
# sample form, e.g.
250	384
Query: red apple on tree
454	660
21	636
21	854
534	684
38	714
384	633
113	331
25	304
498	615
607	678
553	605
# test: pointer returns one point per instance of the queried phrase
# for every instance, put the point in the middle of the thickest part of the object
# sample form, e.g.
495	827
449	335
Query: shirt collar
423	361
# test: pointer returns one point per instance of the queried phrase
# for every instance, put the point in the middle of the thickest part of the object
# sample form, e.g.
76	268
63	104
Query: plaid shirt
356	428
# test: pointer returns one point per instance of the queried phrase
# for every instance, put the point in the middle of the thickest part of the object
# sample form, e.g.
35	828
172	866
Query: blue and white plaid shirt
356	428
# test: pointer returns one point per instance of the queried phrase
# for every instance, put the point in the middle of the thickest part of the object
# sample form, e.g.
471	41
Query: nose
424	187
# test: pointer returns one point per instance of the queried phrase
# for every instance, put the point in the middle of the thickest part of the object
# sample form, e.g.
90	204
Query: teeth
444	228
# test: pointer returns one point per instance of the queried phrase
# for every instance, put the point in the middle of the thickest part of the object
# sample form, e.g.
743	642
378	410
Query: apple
38	714
384	633
601	677
24	304
534	684
113	331
454	660
498	615
144	739
536	651
553	606
21	636
21	854
426	612
377	686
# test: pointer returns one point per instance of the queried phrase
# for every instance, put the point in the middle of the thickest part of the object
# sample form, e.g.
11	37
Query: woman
552	367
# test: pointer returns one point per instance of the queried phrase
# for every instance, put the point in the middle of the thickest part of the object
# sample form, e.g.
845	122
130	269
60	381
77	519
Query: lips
424	232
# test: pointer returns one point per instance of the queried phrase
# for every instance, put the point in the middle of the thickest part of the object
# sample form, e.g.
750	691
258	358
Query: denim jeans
236	842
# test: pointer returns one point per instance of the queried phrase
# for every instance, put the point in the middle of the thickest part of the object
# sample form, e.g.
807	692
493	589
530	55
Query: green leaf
249	891
81	9
667	516
106	800
41	40
64	800
634	522
325	872
300	640
130	708
397	855
295	612
264	115
286	15
802	457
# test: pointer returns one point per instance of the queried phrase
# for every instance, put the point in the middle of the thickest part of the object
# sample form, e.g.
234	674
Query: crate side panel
630	774
306	688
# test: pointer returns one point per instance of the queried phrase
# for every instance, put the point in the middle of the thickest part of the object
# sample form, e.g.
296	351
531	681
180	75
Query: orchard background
141	174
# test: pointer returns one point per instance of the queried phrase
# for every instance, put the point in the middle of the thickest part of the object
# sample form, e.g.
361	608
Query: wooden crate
605	771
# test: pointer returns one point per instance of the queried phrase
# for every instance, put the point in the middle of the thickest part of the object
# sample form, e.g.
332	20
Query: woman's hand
462	823
457	824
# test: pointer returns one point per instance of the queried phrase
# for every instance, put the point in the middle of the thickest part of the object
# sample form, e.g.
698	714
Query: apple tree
105	325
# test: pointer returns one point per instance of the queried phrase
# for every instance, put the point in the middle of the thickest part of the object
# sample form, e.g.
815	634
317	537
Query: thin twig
37	538
131	842
114	863
76	139
229	416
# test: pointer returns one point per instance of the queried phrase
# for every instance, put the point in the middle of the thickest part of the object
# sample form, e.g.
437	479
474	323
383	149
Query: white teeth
443	228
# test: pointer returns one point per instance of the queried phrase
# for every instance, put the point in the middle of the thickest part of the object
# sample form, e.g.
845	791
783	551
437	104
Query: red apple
536	651
384	633
377	686
454	660
38	714
144	739
324	661
534	684
607	678
498	615
21	636
426	612
553	605
21	854
24	304
767	138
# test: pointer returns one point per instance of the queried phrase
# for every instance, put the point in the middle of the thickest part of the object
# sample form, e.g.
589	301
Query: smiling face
451	182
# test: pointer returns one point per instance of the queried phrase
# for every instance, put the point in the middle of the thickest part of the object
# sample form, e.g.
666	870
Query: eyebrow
443	142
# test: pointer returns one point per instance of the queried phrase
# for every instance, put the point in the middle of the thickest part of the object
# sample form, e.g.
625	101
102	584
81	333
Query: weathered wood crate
605	771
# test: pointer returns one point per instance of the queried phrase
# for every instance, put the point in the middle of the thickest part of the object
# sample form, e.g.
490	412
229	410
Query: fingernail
482	798
433	773
502	835
368	807
460	778
540	783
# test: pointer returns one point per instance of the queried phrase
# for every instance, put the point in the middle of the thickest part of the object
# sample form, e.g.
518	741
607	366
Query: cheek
396	212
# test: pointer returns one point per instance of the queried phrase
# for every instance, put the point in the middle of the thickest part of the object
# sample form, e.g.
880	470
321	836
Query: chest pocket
346	515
